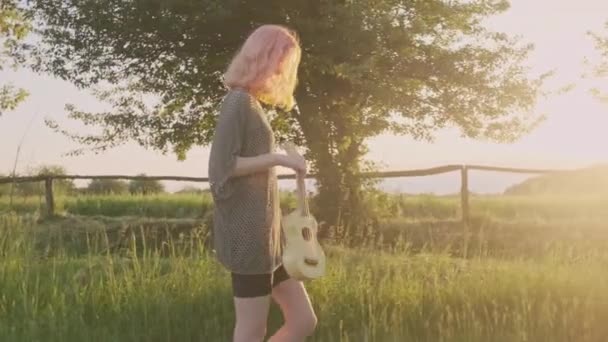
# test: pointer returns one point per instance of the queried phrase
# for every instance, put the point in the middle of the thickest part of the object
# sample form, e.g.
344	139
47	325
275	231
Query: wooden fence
464	174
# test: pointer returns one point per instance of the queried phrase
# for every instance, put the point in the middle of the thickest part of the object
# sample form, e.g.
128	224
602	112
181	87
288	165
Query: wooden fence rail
464	175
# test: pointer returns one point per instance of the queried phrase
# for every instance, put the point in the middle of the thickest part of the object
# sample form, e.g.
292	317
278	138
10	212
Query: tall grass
146	295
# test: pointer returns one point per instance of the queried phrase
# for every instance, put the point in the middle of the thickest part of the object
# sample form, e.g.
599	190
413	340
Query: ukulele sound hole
306	234
311	262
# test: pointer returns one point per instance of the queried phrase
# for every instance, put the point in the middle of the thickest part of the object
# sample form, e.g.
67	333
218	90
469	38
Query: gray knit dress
247	217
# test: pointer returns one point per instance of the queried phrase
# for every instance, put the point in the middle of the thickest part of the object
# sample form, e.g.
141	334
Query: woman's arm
249	165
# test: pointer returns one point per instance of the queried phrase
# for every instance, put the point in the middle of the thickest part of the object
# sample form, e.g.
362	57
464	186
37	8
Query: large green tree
14	26
369	67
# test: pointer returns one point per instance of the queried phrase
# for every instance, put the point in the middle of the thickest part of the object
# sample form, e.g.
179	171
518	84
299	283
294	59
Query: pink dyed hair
266	66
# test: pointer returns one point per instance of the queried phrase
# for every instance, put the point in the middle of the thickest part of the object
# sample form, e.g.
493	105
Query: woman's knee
250	330
304	325
251	315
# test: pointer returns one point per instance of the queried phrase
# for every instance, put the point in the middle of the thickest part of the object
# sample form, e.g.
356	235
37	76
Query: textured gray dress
246	221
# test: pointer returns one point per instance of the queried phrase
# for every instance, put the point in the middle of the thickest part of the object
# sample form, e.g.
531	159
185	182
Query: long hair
266	66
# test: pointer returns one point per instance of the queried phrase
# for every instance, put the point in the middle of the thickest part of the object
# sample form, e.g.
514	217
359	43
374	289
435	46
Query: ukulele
303	257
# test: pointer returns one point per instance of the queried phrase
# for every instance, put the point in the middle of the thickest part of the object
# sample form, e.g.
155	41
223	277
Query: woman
247	217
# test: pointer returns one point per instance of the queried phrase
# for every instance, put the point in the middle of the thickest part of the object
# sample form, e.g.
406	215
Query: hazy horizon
572	137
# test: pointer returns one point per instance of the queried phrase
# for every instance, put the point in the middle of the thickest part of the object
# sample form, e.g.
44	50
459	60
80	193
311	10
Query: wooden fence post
464	194
50	201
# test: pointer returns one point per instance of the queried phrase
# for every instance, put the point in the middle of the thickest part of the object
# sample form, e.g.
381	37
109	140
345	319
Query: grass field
527	269
367	296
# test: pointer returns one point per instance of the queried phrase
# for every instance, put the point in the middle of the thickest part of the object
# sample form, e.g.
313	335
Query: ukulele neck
302	200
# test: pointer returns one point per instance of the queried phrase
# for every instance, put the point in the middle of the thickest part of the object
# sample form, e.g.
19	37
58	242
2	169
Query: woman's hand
293	159
294	162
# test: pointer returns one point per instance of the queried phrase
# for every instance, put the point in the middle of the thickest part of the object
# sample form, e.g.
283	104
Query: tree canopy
368	67
14	26
601	69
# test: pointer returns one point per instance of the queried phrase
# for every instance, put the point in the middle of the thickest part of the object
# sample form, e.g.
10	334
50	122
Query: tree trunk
339	203
335	152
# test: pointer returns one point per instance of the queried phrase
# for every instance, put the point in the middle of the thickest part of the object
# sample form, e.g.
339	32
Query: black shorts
257	285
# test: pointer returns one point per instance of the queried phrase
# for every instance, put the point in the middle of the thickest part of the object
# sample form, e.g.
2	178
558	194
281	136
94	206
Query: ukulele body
303	257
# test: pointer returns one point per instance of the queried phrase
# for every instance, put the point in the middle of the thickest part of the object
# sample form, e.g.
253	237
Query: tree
107	187
60	187
189	189
369	67
14	27
601	70
145	187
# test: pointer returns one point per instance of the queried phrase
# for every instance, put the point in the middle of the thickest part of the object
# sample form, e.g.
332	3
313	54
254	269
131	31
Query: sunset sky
573	136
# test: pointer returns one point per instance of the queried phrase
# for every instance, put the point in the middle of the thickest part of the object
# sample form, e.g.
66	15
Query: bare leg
299	316
251	318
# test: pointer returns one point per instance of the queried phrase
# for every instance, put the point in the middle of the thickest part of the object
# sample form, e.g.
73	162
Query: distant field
141	295
407	207
164	205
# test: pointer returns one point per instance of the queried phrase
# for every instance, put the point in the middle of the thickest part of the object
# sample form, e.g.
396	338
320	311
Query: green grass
142	294
162	205
418	207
